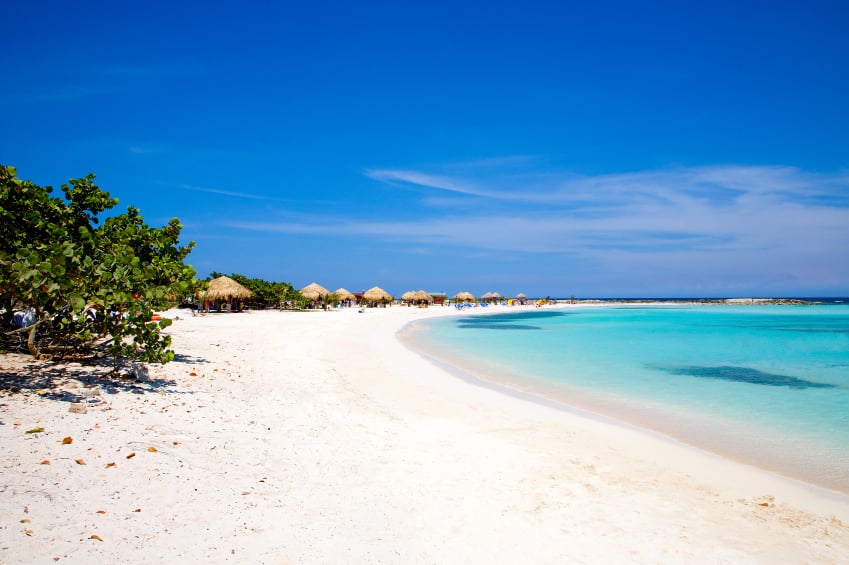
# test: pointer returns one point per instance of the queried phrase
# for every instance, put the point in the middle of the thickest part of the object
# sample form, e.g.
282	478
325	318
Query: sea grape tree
265	293
84	283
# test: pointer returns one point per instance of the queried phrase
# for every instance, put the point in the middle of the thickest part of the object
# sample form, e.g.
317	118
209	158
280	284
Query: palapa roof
313	291
464	296
376	293
416	296
343	294
422	295
521	295
224	288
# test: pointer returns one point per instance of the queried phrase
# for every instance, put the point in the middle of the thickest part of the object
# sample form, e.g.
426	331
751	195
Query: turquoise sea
768	385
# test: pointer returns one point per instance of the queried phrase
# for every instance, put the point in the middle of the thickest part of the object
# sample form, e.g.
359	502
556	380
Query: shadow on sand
21	373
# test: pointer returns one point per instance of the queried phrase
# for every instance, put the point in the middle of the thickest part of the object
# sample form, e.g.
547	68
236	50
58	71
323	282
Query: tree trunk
31	344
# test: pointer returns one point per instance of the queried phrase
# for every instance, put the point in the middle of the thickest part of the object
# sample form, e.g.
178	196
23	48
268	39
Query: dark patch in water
471	325
744	375
505	321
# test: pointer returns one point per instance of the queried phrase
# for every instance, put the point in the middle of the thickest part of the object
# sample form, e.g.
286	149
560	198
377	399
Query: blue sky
551	148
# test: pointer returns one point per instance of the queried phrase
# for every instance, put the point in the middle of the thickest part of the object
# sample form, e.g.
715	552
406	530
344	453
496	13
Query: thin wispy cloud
425	180
718	184
501	162
233	193
691	214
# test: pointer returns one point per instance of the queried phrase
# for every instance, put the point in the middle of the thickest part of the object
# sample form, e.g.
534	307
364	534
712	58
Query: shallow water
768	385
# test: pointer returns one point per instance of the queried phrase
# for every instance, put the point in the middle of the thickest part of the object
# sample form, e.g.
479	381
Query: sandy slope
318	438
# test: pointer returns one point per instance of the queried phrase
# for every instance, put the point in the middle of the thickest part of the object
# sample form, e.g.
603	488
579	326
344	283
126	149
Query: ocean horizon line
699	299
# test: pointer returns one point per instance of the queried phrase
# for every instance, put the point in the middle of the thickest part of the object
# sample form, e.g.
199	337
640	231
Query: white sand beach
318	437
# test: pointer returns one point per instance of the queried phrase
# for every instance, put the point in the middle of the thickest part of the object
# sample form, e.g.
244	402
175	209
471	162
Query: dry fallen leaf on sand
79	461
137	510
110	464
45	462
25	521
152	449
101	512
95	536
34	431
67	440
131	455
28	532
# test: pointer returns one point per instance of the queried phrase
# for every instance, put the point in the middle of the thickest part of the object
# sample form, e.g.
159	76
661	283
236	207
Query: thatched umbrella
464	296
314	291
343	294
521	295
376	294
408	296
422	296
224	288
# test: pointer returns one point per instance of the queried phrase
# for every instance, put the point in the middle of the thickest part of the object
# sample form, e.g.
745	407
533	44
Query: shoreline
283	437
478	375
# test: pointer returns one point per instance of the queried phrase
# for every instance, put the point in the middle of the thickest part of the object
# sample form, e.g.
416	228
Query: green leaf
77	302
